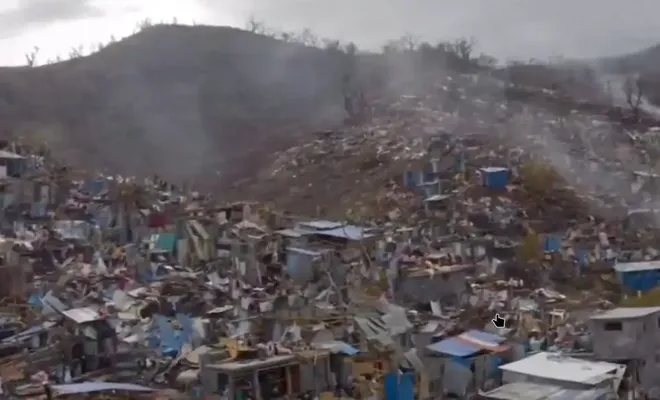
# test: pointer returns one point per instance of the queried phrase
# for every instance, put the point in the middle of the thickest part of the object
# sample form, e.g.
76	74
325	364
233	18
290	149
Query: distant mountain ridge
644	64
211	104
177	100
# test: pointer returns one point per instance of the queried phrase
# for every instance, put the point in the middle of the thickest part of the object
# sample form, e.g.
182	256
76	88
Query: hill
178	100
217	105
643	64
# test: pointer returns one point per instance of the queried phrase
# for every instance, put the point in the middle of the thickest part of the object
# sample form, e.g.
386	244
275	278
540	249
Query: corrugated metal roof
320	224
437	197
349	232
338	347
539	391
9	154
308	252
625	313
562	368
90	387
292	232
578	394
82	315
489	170
637	266
469	343
521	391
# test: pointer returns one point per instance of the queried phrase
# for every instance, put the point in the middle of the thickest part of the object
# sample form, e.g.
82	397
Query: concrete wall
637	338
315	376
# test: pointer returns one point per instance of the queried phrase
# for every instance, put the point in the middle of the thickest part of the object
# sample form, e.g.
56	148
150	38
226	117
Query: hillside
645	64
175	100
217	105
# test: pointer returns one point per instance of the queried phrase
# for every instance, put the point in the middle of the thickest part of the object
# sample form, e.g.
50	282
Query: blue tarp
35	300
467	344
339	347
171	340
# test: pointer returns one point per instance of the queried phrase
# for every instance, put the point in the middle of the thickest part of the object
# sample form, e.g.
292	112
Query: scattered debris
459	266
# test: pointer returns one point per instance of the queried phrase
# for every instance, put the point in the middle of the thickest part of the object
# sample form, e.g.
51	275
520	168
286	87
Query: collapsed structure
473	270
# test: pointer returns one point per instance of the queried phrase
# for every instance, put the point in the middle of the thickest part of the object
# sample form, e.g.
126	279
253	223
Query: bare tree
351	50
331	45
31	57
408	42
255	26
76	52
632	88
609	93
392	47
405	43
307	38
144	24
286	36
487	61
463	49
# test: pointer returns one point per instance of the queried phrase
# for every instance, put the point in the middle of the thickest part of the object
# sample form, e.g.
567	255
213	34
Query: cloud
30	13
504	28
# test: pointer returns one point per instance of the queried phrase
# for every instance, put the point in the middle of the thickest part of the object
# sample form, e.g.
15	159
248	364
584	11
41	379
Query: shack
12	164
638	276
495	177
283	375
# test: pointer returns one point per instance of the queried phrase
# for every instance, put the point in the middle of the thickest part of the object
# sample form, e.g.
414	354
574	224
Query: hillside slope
645	64
175	100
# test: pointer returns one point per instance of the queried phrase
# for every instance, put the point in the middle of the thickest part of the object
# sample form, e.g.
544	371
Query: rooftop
637	266
562	368
251	364
538	391
625	313
493	169
9	154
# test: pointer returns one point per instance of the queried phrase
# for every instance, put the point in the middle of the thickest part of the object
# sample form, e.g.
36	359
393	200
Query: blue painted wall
496	179
641	280
400	386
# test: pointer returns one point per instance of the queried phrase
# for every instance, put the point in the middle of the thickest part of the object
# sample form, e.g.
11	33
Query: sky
507	29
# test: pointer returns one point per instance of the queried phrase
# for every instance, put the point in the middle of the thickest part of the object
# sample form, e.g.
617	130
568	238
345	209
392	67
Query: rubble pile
358	171
478	247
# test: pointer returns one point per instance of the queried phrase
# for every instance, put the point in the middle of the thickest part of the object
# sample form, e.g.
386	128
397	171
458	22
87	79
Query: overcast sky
508	29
